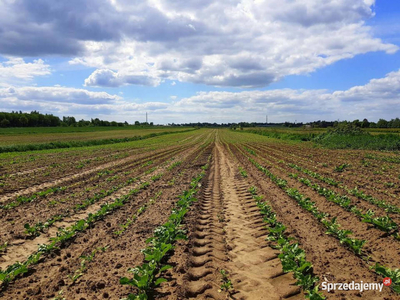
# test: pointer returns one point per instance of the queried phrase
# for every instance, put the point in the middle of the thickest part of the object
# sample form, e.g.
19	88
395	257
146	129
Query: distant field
34	135
301	130
367	139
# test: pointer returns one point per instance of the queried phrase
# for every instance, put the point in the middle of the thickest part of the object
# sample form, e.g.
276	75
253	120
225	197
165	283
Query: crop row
26	199
148	275
343	201
292	257
39	227
384	223
339	168
390	208
333	227
66	234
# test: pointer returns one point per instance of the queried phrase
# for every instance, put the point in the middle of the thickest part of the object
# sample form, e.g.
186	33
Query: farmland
196	214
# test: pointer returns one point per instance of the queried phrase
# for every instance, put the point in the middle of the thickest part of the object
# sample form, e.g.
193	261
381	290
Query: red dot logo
387	281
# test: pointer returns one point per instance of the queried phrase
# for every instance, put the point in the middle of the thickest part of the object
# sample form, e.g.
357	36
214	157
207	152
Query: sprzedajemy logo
356	286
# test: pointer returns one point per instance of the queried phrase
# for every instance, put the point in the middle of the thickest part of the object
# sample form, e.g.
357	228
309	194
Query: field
39	138
199	214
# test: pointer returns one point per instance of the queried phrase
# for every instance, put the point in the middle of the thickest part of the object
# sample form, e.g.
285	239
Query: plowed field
220	215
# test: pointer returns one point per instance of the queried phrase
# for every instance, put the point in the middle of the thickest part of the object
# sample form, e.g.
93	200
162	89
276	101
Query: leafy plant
84	260
226	283
341	167
292	257
243	172
394	275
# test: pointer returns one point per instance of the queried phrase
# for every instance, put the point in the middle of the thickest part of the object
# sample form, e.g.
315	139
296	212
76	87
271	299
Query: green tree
5	123
23	121
382	123
365	123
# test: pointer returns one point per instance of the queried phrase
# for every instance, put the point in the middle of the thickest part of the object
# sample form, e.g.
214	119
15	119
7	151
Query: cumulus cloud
71	101
56	94
109	78
379	98
17	69
382	89
240	43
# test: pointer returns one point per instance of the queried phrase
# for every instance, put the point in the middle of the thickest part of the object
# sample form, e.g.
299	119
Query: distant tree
137	123
5	123
356	123
382	123
23	121
70	121
365	123
395	123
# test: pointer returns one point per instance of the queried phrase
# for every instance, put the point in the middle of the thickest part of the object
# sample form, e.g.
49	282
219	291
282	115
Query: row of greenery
147	276
342	136
332	226
382	123
64	235
292	257
350	137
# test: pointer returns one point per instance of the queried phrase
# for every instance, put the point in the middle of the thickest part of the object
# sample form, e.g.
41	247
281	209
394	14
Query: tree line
36	119
382	123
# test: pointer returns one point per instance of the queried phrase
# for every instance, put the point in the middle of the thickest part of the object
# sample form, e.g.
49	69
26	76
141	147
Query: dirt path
255	267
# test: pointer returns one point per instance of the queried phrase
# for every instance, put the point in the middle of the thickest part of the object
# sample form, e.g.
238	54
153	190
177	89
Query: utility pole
146	117
266	119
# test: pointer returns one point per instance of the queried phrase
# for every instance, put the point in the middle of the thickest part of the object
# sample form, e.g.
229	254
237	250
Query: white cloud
379	98
109	78
14	69
243	43
56	94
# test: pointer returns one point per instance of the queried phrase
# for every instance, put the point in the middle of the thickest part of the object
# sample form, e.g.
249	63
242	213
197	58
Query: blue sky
214	61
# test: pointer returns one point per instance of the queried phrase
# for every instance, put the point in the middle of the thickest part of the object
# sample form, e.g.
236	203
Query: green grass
38	135
285	134
390	142
82	143
336	138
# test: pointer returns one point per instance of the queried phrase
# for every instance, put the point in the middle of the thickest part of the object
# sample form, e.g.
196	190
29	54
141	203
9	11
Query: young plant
242	172
226	283
341	167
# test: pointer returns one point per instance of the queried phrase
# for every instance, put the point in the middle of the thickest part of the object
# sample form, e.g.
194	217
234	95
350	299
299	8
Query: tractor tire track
227	234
